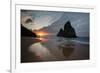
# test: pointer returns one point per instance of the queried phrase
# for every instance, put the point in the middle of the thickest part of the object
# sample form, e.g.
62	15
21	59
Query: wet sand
35	50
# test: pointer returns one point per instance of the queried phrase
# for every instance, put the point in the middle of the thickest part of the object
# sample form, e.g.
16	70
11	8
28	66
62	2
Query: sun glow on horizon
42	33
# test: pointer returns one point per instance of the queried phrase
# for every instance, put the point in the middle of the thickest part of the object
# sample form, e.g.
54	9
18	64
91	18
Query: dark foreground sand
35	50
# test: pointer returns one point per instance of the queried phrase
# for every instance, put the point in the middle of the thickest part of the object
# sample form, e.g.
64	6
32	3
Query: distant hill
25	32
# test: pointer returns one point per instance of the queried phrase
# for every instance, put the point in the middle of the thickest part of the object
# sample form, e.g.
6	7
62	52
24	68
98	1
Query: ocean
84	40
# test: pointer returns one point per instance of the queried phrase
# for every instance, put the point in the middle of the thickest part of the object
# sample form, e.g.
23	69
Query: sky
40	18
52	21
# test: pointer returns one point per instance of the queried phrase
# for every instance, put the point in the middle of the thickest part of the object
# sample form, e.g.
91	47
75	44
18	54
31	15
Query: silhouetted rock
60	32
68	32
26	32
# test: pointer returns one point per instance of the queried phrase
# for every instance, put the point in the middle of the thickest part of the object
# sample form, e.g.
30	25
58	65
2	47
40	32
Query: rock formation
26	32
68	32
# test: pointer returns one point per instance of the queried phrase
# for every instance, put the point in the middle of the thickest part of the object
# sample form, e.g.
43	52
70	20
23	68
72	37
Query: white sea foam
81	42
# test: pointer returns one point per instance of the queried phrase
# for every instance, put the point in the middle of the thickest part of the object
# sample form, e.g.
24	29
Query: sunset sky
40	19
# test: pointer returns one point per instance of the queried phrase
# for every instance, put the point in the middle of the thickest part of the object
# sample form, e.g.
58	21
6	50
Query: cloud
39	18
52	21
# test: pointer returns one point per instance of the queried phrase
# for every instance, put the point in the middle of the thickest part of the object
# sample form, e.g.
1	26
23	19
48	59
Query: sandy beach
36	50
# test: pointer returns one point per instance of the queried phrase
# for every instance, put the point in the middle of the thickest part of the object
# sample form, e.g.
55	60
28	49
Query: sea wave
81	42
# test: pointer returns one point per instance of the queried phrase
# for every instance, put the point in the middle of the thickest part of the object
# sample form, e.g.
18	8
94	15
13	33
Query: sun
41	34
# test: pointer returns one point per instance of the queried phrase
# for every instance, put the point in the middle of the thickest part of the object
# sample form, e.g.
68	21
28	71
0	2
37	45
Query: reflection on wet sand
41	52
27	56
67	49
35	50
